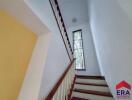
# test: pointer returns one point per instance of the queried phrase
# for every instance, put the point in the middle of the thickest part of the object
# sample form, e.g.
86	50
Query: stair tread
108	94
77	98
90	96
93	84
91	81
90	87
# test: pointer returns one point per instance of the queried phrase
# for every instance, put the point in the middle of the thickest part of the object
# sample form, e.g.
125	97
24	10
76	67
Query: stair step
101	93
92	84
90	96
90	77
90	81
77	98
93	88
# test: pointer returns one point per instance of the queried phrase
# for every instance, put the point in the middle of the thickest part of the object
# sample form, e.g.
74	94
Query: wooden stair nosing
77	98
90	77
100	93
92	84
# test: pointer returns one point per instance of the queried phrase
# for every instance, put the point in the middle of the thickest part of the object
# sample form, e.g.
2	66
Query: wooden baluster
63	85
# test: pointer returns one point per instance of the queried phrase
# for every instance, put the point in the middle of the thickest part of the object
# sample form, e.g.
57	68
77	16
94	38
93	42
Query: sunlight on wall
16	45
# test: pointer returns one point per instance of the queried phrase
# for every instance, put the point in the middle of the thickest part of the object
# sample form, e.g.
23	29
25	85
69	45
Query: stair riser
90	77
100	93
90	96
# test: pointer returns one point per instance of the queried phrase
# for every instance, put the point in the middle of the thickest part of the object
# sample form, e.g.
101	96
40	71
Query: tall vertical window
78	50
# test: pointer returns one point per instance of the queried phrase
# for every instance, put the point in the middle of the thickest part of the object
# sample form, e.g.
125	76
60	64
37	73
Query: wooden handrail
63	25
62	22
53	91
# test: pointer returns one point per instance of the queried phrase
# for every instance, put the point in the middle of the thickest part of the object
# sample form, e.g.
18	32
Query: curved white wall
111	27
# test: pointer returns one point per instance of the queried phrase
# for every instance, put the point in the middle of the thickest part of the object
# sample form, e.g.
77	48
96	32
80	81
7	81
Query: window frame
73	32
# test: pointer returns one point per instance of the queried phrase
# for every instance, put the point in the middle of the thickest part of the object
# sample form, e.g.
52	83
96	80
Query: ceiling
74	12
20	10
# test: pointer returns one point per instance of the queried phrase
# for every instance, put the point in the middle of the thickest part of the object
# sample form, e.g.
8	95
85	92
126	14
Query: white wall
92	67
32	81
126	6
57	59
111	27
78	9
56	63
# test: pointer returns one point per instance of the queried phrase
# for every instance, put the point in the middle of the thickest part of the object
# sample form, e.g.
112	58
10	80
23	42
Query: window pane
78	50
80	62
77	44
78	53
77	35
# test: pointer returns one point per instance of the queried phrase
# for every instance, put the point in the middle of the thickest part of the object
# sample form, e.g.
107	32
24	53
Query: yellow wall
16	45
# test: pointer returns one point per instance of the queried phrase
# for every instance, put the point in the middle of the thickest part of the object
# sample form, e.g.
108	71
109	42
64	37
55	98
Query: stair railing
60	22
62	88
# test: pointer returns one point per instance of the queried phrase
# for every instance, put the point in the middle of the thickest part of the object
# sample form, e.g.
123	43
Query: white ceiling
20	10
74	9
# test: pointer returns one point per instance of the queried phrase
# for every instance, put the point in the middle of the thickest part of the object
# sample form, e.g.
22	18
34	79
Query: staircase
90	88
